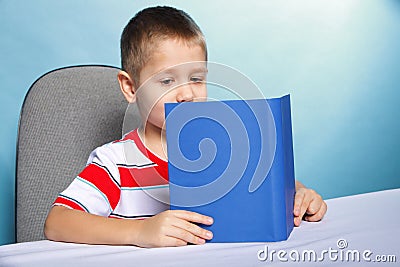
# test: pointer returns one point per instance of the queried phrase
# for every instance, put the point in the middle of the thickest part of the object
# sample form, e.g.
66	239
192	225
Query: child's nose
185	93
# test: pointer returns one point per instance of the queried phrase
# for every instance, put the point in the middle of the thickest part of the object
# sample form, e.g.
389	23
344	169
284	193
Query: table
359	230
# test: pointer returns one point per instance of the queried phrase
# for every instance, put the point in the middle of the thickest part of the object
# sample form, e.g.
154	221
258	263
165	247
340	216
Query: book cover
233	160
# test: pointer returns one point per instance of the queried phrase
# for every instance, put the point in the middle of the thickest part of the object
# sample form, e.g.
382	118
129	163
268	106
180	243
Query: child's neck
155	140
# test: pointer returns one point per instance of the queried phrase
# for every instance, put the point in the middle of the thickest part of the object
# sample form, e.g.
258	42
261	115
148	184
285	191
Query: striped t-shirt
122	179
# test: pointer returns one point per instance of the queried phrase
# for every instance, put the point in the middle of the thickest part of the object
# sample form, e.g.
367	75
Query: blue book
233	160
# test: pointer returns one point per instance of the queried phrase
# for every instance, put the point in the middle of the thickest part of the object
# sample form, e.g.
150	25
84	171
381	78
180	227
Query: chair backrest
66	114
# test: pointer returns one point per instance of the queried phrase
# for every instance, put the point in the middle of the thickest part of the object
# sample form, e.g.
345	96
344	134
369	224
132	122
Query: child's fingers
301	203
193	217
186	236
319	214
307	202
298	200
315	204
194	229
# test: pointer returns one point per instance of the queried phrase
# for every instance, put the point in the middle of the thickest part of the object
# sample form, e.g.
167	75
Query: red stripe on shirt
140	177
100	178
68	203
162	166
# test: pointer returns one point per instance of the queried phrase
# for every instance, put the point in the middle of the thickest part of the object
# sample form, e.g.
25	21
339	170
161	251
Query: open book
233	160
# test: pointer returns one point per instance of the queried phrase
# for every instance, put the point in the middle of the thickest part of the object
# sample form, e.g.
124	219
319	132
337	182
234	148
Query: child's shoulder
125	151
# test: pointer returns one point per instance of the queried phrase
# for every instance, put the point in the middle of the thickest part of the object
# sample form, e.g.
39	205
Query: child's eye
167	81
196	79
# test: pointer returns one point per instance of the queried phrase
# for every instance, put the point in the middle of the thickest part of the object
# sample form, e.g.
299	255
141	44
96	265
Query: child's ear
127	86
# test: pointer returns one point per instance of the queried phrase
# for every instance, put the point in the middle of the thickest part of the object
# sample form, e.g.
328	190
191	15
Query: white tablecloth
363	225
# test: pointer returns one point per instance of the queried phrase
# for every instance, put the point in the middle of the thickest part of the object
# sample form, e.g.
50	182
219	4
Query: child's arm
169	228
309	204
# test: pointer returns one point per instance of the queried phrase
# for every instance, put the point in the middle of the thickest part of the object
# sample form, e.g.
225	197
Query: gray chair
65	115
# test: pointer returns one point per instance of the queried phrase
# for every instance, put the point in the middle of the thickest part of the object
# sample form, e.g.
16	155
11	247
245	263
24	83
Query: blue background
339	60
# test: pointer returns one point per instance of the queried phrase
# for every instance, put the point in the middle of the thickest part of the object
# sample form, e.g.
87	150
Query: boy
114	185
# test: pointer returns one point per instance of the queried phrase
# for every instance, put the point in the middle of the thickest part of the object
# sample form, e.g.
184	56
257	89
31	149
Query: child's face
175	73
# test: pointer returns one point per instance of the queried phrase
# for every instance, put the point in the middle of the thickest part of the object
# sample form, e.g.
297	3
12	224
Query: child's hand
309	204
173	228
